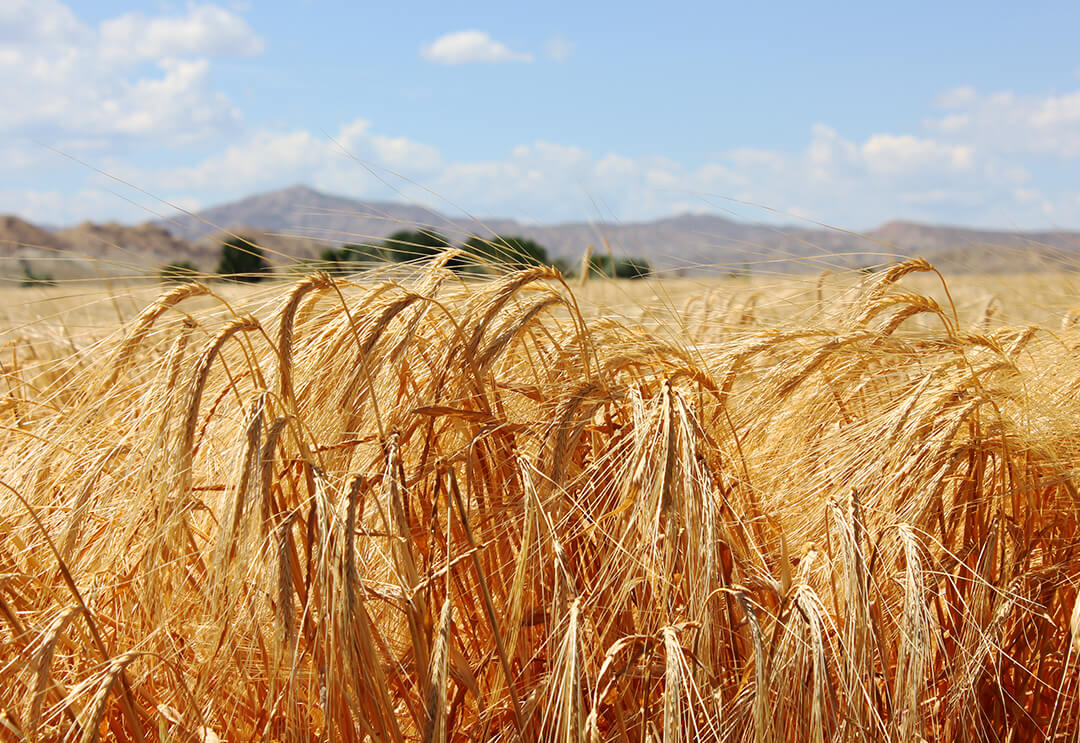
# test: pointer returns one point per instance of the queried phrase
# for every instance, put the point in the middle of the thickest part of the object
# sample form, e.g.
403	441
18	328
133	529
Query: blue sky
848	114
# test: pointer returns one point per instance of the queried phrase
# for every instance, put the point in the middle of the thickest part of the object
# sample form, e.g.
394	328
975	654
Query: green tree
619	267
632	268
362	253
332	261
177	272
349	257
32	278
601	265
411	245
242	260
508	251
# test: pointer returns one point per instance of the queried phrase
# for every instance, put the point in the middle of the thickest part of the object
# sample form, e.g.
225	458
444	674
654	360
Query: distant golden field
838	506
1017	298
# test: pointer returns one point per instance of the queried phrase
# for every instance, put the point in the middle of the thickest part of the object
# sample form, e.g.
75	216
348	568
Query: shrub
632	268
601	265
242	260
619	267
411	245
509	252
361	253
350	257
31	278
177	272
332	261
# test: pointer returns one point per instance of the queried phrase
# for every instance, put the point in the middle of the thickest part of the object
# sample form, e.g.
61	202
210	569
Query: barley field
830	507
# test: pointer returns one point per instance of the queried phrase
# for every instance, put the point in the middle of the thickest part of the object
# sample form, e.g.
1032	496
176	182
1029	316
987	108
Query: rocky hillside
28	250
137	247
92	250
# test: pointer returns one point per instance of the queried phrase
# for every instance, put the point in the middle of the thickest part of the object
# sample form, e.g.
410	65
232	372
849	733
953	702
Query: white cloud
65	79
956	97
1059	111
933	196
34	21
266	159
828	155
1026	195
205	30
150	107
465	47
1008	123
559	49
16	156
263	157
982	159
889	153
394	153
955	123
187	204
55	208
854	184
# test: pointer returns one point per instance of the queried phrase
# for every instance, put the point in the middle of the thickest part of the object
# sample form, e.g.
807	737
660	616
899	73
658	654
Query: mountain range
299	222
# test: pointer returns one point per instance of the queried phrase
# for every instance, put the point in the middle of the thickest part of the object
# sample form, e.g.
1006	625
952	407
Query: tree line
243	260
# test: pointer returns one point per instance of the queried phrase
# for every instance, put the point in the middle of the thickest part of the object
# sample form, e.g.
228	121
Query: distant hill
304	212
125	246
91	250
20	239
299	222
686	242
27	249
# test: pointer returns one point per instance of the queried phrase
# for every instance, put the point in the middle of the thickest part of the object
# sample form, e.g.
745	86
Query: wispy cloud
204	30
851	182
469	47
559	49
956	97
1009	123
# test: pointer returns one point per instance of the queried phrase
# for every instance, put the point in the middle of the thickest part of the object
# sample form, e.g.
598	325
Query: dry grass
423	510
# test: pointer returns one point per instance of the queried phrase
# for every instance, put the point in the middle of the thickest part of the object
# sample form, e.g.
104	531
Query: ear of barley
430	509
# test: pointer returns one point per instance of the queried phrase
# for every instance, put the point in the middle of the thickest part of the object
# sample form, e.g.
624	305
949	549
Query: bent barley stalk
432	510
